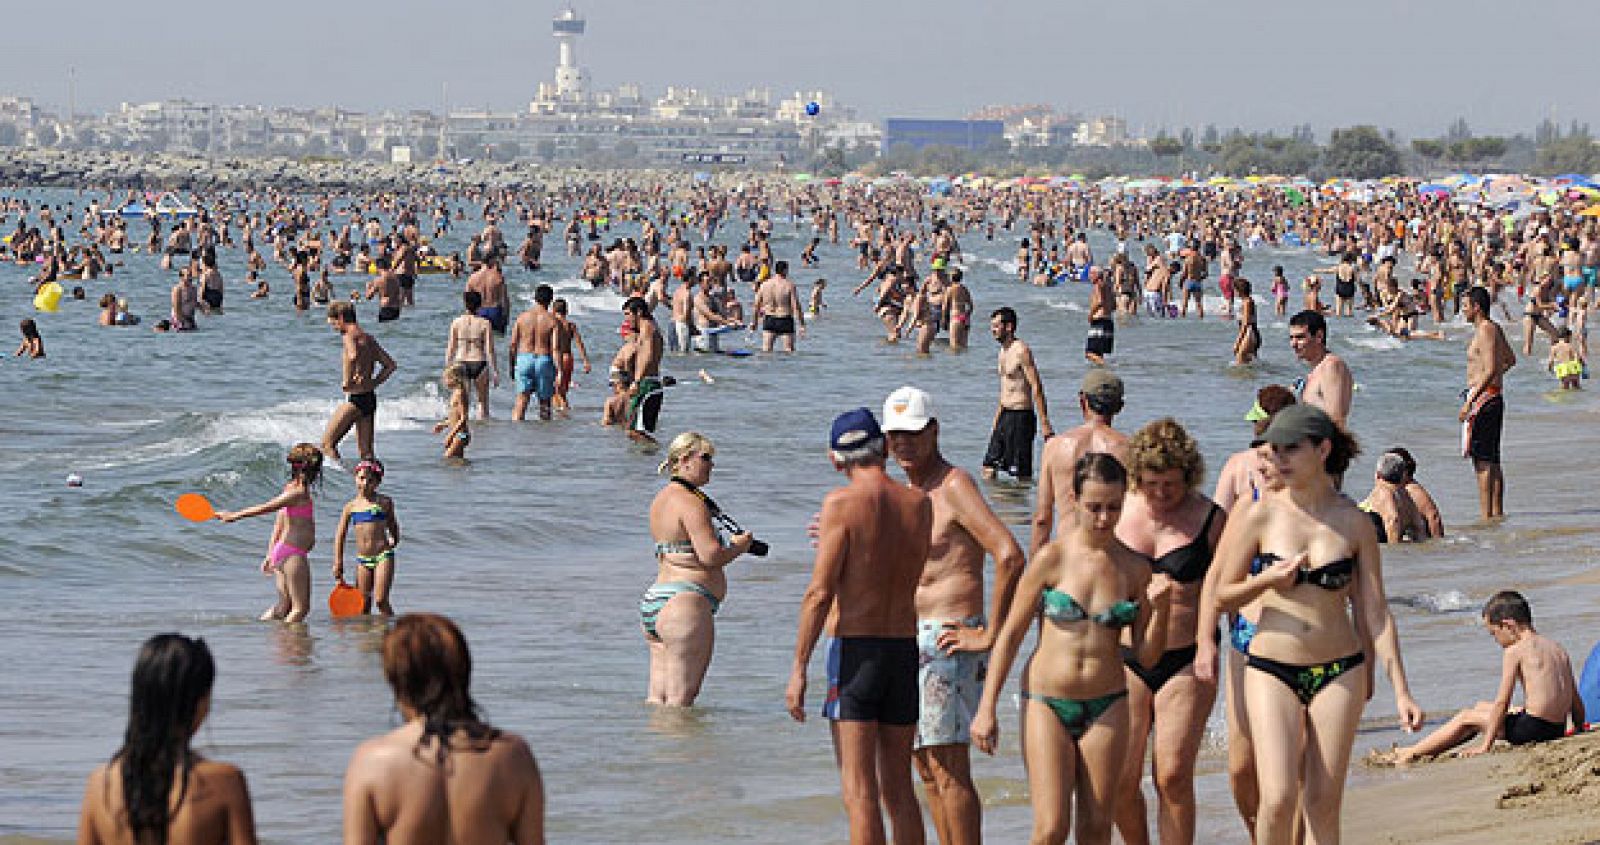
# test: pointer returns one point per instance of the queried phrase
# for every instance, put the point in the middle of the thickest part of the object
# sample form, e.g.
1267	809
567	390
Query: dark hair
171	678
1098	466
636	305
1105	406
559	306
1480	298
1508	604
543	294
1241	287
1312	322
1007	315
955	275
342	310
428	665
780	268
30	329
1345	449
1405	455
473	300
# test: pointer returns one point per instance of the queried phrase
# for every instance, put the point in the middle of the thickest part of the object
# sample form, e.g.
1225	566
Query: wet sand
1541	794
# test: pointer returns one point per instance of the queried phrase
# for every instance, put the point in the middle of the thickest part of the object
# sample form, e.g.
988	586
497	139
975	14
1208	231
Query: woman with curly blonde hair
1175	527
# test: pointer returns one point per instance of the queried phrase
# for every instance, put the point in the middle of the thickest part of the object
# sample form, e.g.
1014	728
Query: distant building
965	134
1105	131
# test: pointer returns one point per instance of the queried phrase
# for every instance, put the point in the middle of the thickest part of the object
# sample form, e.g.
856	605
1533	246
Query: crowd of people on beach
1148	595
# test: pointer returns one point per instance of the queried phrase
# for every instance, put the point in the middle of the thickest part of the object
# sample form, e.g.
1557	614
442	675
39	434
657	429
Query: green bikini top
1062	608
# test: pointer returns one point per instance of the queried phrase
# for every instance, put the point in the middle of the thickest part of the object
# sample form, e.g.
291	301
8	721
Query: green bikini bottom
1075	715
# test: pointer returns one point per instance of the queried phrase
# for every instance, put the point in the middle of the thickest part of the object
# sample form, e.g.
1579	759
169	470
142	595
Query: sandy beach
1538	795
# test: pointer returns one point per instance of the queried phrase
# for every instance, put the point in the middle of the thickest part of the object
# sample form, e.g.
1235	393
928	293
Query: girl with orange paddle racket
294	533
377	534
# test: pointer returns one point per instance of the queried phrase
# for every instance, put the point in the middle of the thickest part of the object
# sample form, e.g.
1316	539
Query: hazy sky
1413	65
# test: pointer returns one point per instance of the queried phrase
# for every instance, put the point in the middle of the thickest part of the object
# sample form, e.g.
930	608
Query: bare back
887	529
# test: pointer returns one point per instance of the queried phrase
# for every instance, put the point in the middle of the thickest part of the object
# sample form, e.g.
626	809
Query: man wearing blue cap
873	538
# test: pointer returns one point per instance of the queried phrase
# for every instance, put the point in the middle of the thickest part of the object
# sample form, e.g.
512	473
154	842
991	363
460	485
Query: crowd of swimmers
1147	593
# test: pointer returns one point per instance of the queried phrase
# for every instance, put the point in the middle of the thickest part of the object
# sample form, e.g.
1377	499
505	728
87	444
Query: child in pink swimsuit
293	534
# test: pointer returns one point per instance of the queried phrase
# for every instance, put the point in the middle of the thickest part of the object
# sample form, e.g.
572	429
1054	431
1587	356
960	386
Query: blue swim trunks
537	374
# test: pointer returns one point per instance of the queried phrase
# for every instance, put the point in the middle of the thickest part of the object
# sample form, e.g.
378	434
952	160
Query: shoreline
1543	793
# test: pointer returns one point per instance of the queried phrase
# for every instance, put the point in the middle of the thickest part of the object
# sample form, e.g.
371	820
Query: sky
1411	65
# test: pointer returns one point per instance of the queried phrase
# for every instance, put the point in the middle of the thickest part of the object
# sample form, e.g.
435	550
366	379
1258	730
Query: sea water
538	546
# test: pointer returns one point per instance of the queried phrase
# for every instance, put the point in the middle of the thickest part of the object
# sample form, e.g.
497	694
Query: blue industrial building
917	133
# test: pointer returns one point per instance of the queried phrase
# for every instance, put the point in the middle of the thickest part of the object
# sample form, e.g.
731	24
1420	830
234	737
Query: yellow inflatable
425	266
48	299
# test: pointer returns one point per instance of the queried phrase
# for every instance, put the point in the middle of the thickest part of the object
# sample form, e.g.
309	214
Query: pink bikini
281	551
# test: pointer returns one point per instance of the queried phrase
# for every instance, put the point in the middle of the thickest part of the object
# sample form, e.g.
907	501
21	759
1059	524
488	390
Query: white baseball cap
907	409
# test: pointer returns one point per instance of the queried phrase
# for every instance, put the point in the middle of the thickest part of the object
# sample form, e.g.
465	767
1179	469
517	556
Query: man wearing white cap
872	541
953	639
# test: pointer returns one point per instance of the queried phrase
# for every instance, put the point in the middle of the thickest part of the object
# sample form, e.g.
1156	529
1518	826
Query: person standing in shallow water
677	611
445	775
362	355
155	788
873	540
1022	404
1483	409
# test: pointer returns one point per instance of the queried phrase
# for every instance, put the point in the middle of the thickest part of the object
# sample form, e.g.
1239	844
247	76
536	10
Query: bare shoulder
217	774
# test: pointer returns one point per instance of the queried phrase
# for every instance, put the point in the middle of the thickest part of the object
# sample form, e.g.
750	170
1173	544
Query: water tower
570	79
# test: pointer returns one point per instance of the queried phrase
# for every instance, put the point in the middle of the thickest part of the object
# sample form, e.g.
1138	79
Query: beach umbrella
1296	198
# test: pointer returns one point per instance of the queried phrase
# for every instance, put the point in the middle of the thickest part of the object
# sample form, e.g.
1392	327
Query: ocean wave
1444	601
1380	343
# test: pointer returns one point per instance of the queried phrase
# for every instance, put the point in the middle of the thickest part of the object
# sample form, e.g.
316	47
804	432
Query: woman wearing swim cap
677	612
1308	675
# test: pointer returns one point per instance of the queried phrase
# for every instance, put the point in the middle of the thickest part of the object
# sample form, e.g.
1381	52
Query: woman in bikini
1174	528
294	533
676	612
1318	568
1088	587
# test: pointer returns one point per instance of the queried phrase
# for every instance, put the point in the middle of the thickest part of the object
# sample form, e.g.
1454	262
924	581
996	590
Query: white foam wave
1447	601
286	424
1065	306
1382	343
582	298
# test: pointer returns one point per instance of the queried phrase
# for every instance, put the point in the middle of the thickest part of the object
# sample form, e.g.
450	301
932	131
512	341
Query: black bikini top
1188	563
1329	576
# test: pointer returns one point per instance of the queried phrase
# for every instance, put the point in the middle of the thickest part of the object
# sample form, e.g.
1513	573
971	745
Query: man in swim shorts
532	354
1022	402
873	539
362	354
491	287
777	308
1482	415
646	391
387	288
953	636
1102	328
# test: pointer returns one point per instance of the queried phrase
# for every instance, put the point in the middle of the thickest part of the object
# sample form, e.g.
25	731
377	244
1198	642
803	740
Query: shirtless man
183	303
491	287
1022	402
953	636
646	390
682	333
1489	356
1194	282
1102	328
471	347
387	288
777	308
533	339
362	354
405	269
1396	517
873	539
1329	385
1079	256
958	305
1100	400
211	286
707	315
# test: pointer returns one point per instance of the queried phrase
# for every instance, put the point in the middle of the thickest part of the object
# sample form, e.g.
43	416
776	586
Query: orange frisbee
195	507
345	600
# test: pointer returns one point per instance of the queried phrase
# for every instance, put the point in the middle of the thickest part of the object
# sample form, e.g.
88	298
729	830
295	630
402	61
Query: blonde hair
682	446
455	378
1164	445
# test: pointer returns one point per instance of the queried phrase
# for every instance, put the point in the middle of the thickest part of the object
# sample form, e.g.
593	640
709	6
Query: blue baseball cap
854	431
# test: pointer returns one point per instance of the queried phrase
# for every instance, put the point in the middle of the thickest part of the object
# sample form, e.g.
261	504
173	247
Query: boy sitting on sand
1549	693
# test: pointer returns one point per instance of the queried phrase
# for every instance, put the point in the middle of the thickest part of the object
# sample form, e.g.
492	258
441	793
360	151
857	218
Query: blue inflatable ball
812	109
